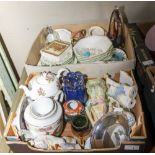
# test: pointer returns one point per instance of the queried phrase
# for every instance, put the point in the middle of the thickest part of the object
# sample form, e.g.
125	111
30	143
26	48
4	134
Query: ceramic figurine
118	93
70	146
125	94
96	90
44	84
125	78
46	142
52	35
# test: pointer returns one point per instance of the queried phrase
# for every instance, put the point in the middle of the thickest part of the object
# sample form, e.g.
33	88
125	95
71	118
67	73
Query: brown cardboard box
136	143
34	54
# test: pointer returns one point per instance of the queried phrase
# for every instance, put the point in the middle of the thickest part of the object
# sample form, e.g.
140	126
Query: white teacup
97	31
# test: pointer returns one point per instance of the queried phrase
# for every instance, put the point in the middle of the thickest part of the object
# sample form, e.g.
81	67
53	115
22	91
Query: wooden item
3	113
8	76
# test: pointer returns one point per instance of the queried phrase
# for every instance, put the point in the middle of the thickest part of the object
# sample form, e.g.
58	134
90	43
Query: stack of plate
59	49
93	48
56	53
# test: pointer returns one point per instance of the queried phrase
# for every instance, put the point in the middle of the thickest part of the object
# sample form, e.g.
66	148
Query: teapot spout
26	90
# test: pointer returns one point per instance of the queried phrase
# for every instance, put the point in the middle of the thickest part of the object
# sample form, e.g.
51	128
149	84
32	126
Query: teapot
45	84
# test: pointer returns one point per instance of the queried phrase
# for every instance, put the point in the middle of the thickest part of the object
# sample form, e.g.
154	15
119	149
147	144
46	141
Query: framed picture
3	113
8	74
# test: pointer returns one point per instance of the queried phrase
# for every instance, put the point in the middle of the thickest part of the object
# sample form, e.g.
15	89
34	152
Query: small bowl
118	55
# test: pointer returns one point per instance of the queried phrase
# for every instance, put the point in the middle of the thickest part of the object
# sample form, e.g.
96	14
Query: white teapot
45	84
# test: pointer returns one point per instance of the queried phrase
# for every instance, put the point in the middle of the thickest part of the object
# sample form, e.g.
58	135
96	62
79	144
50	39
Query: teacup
96	30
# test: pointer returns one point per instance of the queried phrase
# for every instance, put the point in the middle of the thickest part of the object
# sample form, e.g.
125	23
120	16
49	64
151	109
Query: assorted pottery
92	45
99	111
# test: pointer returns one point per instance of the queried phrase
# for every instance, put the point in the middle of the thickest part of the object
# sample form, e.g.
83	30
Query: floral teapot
44	84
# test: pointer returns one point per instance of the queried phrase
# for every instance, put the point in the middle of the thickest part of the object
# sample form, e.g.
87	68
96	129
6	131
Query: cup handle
62	71
56	97
61	96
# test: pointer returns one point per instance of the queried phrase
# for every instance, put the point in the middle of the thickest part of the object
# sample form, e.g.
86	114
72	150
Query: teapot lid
45	78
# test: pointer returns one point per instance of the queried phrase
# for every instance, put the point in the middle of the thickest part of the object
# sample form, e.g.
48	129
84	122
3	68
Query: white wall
20	22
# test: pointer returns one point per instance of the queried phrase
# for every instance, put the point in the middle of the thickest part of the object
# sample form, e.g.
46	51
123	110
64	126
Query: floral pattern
41	92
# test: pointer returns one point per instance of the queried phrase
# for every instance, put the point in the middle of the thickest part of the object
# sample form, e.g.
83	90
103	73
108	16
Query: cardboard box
34	54
136	143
